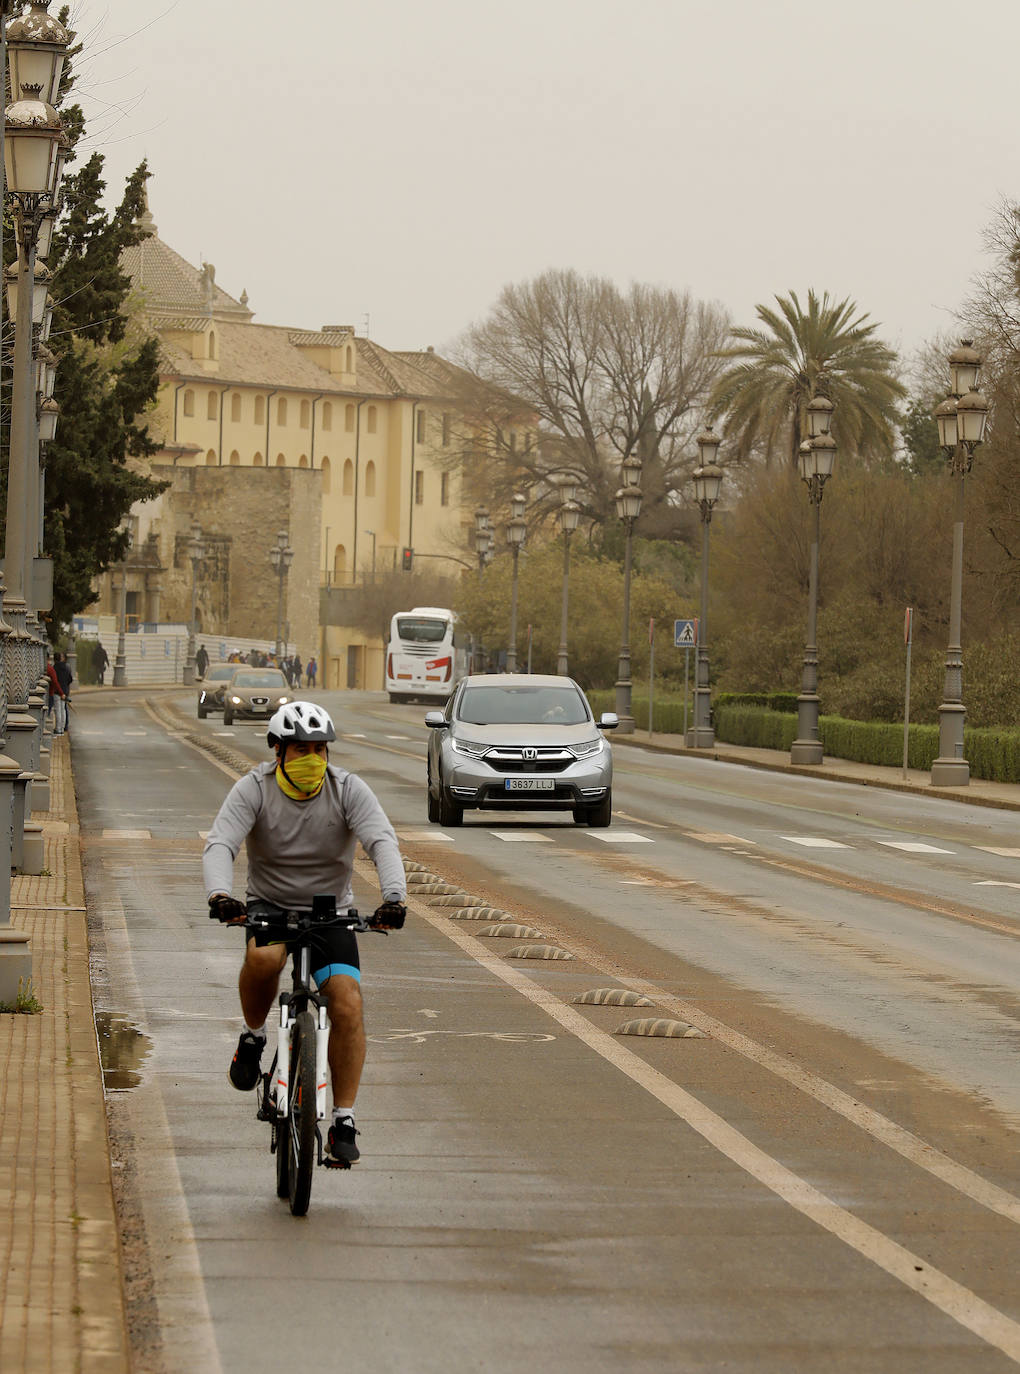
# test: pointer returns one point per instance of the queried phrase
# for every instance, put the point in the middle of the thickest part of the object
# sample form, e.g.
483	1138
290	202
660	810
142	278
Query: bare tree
568	374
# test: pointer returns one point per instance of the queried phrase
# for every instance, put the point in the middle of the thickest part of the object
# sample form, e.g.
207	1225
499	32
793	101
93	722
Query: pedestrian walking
65	677
100	662
311	670
202	660
56	701
296	669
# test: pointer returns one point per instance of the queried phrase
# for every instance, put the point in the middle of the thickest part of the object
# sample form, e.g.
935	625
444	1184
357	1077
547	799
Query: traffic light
407	559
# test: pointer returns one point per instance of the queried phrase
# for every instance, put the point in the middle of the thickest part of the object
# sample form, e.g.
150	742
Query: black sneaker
244	1067
341	1142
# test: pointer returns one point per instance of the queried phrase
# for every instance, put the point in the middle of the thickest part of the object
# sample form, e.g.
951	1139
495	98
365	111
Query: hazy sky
403	160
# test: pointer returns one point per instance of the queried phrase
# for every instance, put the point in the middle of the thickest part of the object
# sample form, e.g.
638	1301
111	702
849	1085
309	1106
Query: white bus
424	657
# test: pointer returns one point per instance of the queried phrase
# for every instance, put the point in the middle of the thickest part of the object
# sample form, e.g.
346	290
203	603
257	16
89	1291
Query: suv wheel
450	812
228	717
600	816
431	802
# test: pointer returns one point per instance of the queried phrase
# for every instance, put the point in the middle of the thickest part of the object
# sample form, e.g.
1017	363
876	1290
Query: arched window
281	462
306	414
257	461
327	416
327	476
339	562
235	459
303	461
260	410
370	478
348	482
235	407
349	359
210	458
349	414
420	423
212	408
371	419
189	403
212	343
281	411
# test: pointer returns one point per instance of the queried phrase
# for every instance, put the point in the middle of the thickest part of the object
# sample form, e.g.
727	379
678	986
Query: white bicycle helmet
300	720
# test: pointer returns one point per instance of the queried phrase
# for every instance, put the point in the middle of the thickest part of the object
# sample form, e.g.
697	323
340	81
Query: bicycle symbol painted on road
418	1037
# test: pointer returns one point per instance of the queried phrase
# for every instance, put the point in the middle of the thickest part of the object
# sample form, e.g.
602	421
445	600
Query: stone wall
240	511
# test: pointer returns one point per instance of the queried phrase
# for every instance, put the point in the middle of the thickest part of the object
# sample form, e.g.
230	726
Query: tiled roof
262	355
170	285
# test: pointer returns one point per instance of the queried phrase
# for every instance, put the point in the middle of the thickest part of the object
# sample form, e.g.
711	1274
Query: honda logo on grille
529	753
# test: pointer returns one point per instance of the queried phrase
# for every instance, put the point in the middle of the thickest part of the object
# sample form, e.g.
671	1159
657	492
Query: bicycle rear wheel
300	1144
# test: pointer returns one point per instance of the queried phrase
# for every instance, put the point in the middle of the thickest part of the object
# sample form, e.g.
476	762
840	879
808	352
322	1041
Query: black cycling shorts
333	950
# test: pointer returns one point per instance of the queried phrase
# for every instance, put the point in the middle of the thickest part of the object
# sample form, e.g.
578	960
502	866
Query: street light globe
823	456
518	503
819	416
516	533
631	468
31	137
567	486
48	413
40	287
707	481
708	446
36	48
628	502
805	462
971	415
945	419
570	516
481	520
964	366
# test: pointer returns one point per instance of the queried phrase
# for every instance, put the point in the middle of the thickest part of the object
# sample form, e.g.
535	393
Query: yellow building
322	419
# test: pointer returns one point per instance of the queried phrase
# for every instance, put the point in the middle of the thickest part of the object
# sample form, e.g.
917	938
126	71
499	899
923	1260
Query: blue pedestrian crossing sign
685	634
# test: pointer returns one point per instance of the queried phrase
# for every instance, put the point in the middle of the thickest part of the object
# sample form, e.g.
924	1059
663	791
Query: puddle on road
123	1049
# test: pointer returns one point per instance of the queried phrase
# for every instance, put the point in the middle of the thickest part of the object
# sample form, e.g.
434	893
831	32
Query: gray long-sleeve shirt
297	849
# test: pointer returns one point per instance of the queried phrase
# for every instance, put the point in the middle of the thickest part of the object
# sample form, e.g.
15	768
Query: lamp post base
806	751
950	773
700	737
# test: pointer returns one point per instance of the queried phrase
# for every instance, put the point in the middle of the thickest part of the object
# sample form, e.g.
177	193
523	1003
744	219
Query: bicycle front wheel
301	1114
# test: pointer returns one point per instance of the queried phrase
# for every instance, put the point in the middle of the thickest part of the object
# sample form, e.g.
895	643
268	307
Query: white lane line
396	737
913	1271
909	847
134	732
619	837
425	836
812	842
223	734
640	820
349	735
521	836
715	837
127	834
992	882
1003	853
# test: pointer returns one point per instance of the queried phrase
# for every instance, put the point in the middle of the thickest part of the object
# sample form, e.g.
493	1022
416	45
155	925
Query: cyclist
299	817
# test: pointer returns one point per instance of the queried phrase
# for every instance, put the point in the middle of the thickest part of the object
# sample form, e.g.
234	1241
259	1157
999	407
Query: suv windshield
418	630
522	706
268	679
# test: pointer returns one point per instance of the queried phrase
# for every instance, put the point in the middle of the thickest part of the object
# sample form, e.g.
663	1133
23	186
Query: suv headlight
236	701
474	751
588	747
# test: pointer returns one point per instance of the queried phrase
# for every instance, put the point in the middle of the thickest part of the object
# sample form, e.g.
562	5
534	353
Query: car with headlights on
254	694
212	686
513	742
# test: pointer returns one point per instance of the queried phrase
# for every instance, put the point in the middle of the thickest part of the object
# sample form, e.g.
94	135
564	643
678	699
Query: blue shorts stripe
321	974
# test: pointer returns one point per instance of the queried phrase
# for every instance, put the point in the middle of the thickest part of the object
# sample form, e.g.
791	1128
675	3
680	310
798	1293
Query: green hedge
775	701
669	711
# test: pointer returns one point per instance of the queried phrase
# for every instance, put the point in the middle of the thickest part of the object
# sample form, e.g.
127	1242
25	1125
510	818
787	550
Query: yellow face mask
304	778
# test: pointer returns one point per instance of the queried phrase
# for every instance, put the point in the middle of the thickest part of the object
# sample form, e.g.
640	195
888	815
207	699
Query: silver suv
511	742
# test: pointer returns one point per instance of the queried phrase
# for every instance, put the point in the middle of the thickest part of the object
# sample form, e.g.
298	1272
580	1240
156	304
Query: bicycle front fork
284	1036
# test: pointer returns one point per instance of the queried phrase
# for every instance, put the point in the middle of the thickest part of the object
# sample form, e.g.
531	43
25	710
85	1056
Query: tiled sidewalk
61	1306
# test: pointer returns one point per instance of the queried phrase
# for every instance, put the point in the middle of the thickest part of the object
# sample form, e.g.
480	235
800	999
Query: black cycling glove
391	915
222	908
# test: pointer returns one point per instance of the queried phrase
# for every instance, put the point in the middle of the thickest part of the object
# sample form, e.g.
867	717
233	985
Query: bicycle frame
301	992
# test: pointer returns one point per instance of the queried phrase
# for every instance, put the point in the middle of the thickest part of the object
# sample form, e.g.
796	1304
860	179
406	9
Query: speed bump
539	952
508	931
479	913
613	997
458	899
660	1026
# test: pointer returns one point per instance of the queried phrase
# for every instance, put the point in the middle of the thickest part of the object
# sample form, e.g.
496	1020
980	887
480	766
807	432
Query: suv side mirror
435	720
609	720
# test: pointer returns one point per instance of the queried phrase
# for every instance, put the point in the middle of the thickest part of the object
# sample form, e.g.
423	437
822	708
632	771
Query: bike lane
520	1199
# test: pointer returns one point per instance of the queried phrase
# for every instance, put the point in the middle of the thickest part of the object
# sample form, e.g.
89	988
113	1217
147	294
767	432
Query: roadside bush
85	672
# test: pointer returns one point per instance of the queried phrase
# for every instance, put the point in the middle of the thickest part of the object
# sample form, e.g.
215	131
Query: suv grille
547	760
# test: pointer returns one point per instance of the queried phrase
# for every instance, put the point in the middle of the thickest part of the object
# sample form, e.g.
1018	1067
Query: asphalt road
826	1178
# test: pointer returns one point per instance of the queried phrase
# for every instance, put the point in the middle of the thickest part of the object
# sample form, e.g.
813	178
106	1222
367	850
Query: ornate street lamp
628	508
961	420
120	658
281	555
196	553
816	459
707	481
516	533
570	516
481	536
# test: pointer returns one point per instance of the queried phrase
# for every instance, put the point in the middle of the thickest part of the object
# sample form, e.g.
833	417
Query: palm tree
798	354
